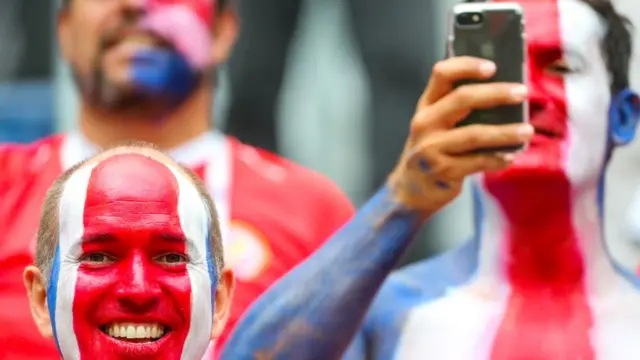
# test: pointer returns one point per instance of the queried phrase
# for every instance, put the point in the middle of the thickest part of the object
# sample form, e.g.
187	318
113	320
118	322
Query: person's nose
138	290
537	101
133	10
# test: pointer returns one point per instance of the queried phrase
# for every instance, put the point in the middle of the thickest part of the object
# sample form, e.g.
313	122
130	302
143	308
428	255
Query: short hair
48	230
617	44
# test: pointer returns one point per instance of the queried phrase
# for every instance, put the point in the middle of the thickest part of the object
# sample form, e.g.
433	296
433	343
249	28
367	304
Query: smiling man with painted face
129	260
536	281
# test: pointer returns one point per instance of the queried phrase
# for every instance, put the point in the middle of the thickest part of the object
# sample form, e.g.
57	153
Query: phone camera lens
469	19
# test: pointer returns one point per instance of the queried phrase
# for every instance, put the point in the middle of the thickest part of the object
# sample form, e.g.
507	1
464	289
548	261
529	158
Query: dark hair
616	44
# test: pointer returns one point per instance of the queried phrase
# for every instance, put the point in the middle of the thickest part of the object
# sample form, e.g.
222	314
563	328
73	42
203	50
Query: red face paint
547	314
187	25
204	9
131	219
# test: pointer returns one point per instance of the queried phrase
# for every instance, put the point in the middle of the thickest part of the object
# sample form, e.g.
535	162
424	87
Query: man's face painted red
569	93
134	275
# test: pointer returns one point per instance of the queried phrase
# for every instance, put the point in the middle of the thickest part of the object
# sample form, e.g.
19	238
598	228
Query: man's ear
624	114
37	293
224	297
225	32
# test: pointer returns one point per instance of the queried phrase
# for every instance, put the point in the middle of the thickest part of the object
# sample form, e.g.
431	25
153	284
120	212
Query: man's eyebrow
175	238
98	238
105	237
554	47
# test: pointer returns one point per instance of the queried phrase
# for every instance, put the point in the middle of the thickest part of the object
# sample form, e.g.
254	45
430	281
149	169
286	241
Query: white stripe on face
586	89
71	229
195	224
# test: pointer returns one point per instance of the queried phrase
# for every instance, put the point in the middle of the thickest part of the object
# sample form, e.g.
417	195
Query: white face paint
587	92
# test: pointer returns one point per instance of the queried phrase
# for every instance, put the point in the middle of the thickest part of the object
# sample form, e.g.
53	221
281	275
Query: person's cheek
186	28
92	293
178	288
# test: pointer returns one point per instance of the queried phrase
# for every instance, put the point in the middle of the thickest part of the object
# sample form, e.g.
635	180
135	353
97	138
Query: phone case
500	38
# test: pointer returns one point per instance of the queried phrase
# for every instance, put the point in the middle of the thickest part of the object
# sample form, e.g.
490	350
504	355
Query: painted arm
357	350
315	310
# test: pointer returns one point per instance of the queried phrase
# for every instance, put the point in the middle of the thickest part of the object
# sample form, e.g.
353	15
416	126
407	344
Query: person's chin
541	160
123	96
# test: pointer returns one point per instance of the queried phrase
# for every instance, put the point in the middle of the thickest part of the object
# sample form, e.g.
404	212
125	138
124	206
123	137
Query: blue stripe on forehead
52	293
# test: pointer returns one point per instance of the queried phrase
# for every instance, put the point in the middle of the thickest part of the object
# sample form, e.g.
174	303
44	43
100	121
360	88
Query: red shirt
273	214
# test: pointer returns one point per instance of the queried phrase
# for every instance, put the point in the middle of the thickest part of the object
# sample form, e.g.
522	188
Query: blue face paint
52	293
166	73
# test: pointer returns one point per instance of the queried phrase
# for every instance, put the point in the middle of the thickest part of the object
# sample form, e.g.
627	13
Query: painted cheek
187	26
93	289
548	111
547	100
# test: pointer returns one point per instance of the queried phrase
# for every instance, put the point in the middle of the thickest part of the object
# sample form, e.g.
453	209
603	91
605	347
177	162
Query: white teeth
131	332
135	331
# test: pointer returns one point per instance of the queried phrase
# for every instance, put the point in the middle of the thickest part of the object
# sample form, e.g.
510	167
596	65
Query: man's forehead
131	177
132	191
571	24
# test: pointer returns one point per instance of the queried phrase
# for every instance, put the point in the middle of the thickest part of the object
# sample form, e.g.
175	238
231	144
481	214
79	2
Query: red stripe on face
547	314
204	9
132	269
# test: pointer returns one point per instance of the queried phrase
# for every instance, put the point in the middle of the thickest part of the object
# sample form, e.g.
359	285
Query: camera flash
475	18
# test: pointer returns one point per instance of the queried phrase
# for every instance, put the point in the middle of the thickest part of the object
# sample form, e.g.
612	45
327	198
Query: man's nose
537	100
138	290
134	9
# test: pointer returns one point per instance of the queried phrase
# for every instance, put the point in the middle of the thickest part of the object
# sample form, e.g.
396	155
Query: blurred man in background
145	70
394	40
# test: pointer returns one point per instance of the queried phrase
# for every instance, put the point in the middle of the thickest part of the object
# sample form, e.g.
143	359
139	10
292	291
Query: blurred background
333	87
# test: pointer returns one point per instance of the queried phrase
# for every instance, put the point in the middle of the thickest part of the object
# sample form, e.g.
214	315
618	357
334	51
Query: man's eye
172	259
97	258
560	67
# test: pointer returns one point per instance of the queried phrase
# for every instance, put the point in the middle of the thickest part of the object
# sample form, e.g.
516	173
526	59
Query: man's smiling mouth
136	332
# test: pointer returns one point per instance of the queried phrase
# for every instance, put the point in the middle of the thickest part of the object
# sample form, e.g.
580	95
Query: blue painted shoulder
405	289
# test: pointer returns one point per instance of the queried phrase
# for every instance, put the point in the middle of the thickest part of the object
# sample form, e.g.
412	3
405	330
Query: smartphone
493	31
